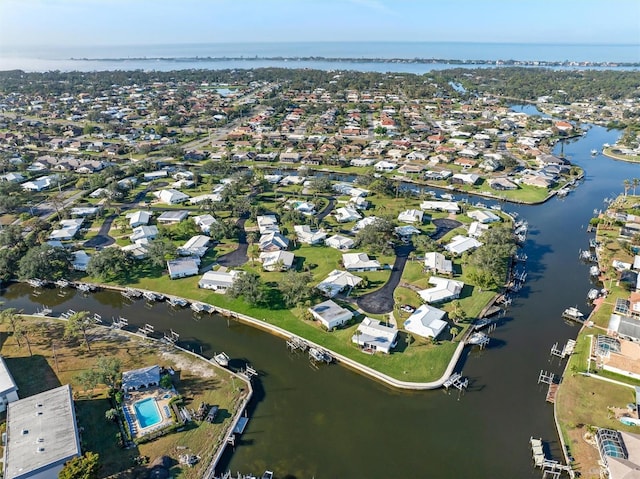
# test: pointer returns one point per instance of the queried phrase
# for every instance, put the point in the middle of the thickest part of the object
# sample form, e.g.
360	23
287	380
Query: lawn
199	381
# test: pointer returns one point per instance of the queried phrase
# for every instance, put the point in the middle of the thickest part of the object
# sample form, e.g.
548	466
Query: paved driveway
102	239
237	257
443	226
381	300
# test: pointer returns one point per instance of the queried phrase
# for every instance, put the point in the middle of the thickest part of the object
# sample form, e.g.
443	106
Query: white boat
151	296
594	152
62	283
36	283
630	421
178	302
479	339
320	355
481	323
594	271
446	196
267	475
593	294
222	359
573	313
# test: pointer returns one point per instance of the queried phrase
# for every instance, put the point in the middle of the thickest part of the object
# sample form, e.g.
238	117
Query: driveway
102	239
328	209
381	301
237	257
443	226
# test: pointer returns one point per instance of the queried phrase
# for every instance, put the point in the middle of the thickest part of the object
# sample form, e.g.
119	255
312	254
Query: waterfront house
459	244
138	218
483	216
172	217
218	281
41	435
339	242
477	229
276	260
80	260
330	314
183	267
359	262
426	321
338	281
446	206
411	216
374	336
141	378
68	229
437	263
306	235
465	178
443	289
272	242
619	453
8	387
502	184
385	166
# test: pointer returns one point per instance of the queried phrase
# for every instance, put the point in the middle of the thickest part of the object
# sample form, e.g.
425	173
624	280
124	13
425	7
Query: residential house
8	387
39	184
205	222
147	233
330	314
476	229
363	223
426	321
411	216
374	336
406	232
502	184
12	178
68	229
195	246
459	244
483	216
80	260
359	262
447	206
267	224
276	260
272	242
183	267
338	281
218	281
85	211
307	235
141	378
171	196
385	166
465	178
339	242
347	214
155	175
136	250
211	197
139	218
437	263
537	181
172	217
443	289
41	435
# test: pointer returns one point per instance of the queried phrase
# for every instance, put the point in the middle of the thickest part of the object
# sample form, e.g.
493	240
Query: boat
62	283
594	152
630	421
151	296
481	323
267	475
479	339
320	355
222	359
594	271
446	196
593	294
36	283
85	287
573	313
197	307
178	302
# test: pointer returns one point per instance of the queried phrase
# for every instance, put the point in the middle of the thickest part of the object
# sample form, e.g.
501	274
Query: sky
25	23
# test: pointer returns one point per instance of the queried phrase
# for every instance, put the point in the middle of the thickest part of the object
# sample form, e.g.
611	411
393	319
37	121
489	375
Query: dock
567	349
550	468
297	344
457	381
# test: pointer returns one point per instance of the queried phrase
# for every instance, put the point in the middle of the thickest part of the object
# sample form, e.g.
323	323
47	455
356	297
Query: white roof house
338	281
339	242
308	236
437	263
406	231
267	224
39	184
330	314
359	262
183	267
171	196
346	214
213	197
137	250
196	246
363	223
276	260
218	280
483	216
385	166
443	289
141	378
42	435
448	206
8	388
138	218
144	233
459	244
80	260
272	242
426	321
13	177
205	222
68	229
411	216
374	336
85	211
172	217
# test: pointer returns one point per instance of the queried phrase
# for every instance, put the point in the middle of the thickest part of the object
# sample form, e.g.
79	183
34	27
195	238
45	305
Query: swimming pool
147	412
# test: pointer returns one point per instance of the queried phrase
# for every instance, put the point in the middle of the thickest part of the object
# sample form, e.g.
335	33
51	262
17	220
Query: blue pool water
147	412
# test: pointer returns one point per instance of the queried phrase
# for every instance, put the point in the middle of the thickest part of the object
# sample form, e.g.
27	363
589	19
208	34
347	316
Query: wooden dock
551	393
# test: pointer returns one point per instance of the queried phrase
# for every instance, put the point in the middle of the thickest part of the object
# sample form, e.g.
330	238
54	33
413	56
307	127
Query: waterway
331	422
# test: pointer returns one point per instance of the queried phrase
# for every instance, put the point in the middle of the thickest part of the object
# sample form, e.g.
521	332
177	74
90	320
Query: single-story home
195	246
483	216
307	235
339	242
276	260
437	263
272	242
374	336
459	244
347	214
183	267
218	280
80	260
330	314
141	378
205	222
172	217
426	321
359	262
68	229
144	233
171	196
212	197
138	218
443	289
407	231
338	281
267	224
447	206
411	216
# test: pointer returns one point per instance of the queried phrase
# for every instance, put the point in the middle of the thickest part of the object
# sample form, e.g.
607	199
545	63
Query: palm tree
635	183
627	185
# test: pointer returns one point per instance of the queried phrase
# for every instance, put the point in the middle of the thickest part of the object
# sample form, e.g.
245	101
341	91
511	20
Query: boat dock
457	381
549	379
567	349
550	468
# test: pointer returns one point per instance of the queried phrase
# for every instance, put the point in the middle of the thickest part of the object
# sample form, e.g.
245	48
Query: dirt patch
194	367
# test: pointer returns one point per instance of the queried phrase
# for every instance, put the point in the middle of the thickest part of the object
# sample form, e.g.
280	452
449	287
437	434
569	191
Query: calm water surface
330	422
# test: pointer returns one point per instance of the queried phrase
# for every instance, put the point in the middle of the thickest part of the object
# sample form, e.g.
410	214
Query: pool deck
162	402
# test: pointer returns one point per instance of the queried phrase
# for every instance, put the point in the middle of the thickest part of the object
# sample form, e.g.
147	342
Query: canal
329	422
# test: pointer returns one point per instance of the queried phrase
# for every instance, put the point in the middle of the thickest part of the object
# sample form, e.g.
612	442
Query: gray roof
140	377
7	384
41	433
176	215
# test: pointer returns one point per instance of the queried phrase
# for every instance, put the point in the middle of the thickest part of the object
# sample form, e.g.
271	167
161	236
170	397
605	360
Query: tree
10	316
109	370
45	261
248	286
426	244
89	379
376	237
78	324
159	251
626	184
9	258
81	467
635	183
111	414
295	288
165	381
110	263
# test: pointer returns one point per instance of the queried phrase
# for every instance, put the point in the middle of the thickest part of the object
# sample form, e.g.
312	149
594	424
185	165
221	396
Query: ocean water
255	55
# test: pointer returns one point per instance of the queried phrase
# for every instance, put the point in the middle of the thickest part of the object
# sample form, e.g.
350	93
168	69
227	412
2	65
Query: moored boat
573	314
222	359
